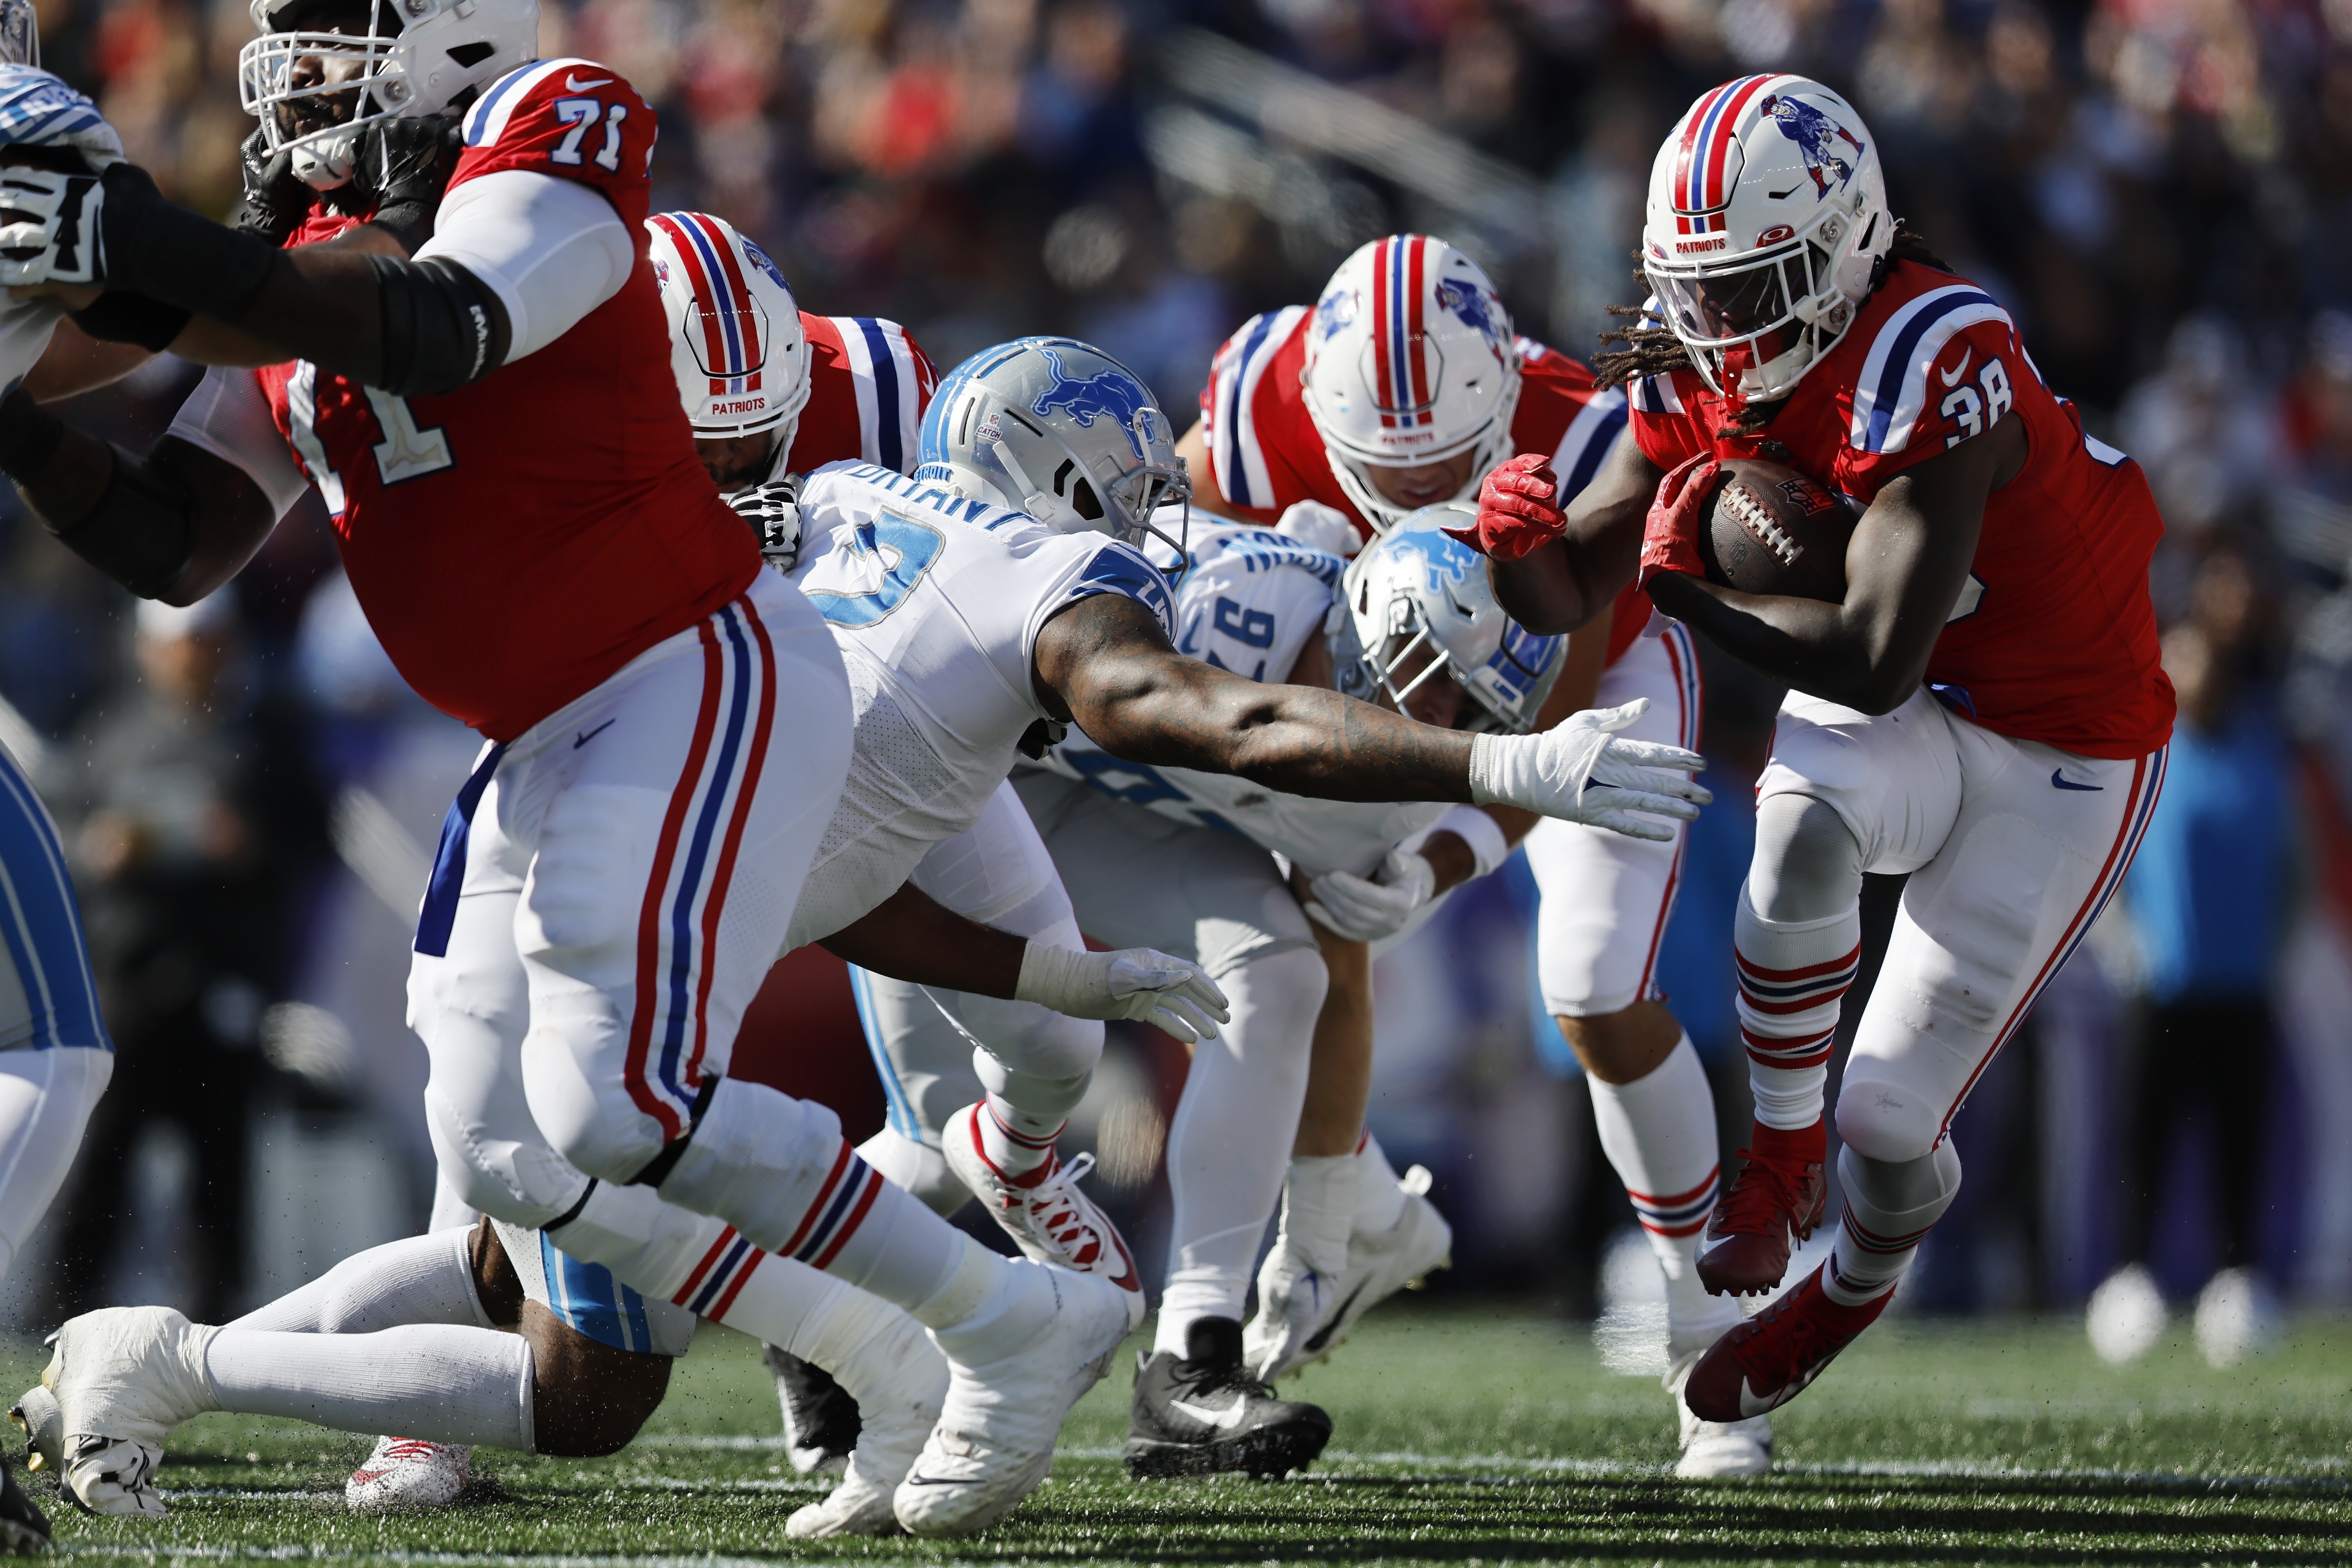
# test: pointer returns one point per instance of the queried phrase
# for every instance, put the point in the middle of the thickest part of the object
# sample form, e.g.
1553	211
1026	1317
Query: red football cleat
1769	1360
1775	1204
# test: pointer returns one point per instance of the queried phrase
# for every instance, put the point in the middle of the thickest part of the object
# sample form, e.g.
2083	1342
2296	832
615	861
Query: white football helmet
736	342
1410	360
1422	604
414	56
20	33
1021	425
1766	222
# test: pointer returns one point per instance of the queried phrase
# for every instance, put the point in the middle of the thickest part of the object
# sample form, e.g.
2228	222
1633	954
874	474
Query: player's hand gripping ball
773	510
1670	536
1518	510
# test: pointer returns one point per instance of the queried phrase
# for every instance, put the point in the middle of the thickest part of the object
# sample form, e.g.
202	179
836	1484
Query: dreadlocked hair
1651	349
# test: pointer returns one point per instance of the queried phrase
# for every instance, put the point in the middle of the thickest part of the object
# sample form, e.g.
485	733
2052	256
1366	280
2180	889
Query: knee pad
1886	1121
1807	865
522	1182
594	1126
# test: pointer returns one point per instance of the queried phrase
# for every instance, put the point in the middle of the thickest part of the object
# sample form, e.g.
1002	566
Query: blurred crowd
2159	191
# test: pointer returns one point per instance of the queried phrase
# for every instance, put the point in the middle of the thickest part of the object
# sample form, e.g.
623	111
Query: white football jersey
39	110
936	603
1249	604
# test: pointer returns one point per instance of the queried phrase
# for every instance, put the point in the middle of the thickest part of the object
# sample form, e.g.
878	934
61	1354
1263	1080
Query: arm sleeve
551	249
228	417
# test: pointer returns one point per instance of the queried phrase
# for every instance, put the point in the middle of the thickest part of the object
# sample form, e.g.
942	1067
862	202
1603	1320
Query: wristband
1479	830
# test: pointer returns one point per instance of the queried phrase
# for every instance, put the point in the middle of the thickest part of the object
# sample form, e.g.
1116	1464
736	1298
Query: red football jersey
518	541
1265	455
2054	637
868	386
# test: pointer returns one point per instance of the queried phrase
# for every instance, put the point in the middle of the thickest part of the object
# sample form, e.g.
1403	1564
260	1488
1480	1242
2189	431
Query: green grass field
1465	1434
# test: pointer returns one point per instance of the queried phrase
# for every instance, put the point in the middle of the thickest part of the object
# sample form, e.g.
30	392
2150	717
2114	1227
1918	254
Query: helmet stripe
730	305
1399	344
698	283
1416	333
1685	198
746	312
1726	132
1379	333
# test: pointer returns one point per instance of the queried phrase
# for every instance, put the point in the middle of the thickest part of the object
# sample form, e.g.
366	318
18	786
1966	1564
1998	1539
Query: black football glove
275	203
405	166
773	510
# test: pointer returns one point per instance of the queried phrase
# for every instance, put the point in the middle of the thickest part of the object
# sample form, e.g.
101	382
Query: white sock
46	1099
1793	976
1015	1141
1659	1134
1229	1142
1380	1190
784	1303
1889	1208
422	1280
1319	1210
442	1384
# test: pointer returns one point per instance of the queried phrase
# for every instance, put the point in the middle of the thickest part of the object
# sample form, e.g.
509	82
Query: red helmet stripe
1719	151
1685	156
698	282
747	356
1381	372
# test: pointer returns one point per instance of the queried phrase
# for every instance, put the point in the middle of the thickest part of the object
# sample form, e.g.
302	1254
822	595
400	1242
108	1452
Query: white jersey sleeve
228	416
1250	601
552	251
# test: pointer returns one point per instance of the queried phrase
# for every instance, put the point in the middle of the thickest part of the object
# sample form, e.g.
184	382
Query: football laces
1760	524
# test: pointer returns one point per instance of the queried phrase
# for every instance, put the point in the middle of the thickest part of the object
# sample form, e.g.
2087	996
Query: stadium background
2159	191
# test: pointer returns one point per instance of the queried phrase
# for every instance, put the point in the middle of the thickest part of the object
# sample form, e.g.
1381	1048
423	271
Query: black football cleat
820	1421
1205	1414
23	1528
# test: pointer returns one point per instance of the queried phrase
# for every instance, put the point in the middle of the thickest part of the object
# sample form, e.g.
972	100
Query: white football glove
1579	772
773	510
1321	527
1173	994
1365	908
49	227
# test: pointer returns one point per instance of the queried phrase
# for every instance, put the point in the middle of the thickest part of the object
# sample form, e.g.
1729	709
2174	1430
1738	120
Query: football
1771	530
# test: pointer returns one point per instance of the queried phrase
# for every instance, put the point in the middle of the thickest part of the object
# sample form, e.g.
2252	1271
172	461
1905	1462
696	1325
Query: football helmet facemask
1766	222
1060	430
1422	606
1411	360
314	89
20	33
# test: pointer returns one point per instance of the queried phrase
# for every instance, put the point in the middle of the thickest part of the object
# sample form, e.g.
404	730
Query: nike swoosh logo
573	84
916	1478
1323	1335
2059	778
1959	370
1229	1419
594	733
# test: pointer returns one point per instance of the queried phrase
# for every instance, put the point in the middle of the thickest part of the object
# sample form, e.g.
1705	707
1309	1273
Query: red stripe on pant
649	917
723	874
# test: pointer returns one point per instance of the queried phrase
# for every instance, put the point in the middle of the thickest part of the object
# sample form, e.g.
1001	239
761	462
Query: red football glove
1518	510
1670	539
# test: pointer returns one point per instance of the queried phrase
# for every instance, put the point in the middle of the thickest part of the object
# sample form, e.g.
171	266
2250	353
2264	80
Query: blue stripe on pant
40	926
587	1297
901	1112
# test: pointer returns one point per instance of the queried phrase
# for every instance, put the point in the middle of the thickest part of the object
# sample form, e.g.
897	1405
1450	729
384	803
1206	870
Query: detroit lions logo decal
1817	137
1106	394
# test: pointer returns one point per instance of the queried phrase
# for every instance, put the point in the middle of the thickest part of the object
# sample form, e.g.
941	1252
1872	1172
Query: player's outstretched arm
1560	586
911	936
1905	566
1104	663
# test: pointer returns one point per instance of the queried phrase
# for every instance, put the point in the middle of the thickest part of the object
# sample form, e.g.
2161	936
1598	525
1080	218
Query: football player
1984	709
1403	386
521	512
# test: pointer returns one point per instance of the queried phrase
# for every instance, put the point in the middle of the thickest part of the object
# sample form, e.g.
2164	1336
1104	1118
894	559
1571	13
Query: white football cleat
1014	1378
124	1376
2125	1316
1303	1318
1044	1212
1716	1450
2237	1316
899	1382
409	1472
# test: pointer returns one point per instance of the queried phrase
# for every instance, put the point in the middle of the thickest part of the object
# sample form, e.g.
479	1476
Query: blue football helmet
1060	430
1422	604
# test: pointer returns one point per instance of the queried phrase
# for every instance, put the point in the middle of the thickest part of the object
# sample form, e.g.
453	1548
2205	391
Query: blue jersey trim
439	913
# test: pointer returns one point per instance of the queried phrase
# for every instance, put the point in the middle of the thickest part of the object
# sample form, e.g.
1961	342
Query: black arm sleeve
142	531
176	256
119	318
442	328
